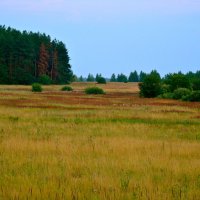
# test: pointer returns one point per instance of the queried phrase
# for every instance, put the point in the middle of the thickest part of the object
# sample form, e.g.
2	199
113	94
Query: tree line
133	77
27	57
172	86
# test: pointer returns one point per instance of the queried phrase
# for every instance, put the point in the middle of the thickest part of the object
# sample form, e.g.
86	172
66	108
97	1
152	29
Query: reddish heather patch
196	117
174	111
115	99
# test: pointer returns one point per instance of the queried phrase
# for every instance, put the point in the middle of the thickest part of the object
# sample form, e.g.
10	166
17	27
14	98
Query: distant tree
194	78
113	78
177	80
122	78
133	77
43	61
142	76
74	78
97	77
191	75
64	68
151	86
54	66
90	78
196	84
4	74
81	79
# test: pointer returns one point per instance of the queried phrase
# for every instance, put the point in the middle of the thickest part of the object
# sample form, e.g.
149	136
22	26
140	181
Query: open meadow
69	145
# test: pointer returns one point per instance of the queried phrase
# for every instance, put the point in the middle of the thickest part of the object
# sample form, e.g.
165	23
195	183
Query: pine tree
133	77
113	78
54	70
90	78
97	77
142	76
43	61
122	78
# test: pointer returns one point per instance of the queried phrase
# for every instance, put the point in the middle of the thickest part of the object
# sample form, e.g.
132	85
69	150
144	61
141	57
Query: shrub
101	80
151	87
66	88
180	93
45	80
167	95
94	90
194	96
165	88
36	87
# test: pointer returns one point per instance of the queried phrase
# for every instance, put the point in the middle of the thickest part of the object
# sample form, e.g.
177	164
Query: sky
115	36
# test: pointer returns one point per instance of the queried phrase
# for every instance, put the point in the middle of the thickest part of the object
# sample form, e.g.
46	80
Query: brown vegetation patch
175	111
196	117
47	99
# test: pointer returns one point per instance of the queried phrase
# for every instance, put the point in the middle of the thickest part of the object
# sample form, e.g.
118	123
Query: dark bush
44	80
101	80
151	86
94	90
194	96
36	87
66	88
180	93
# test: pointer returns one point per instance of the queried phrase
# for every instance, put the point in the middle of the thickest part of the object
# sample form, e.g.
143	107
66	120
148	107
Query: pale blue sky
106	36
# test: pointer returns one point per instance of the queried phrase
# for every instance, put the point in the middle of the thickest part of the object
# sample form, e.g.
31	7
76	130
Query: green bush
66	88
101	80
194	96
94	90
36	87
167	95
180	93
44	80
151	86
165	88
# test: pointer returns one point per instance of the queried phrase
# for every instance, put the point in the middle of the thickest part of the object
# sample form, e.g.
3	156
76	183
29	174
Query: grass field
117	146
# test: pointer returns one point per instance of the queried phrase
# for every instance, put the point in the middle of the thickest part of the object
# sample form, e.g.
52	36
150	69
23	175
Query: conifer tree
133	77
54	70
43	61
90	78
113	78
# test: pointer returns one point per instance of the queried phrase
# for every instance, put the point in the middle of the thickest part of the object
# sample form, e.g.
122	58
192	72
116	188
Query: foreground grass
57	145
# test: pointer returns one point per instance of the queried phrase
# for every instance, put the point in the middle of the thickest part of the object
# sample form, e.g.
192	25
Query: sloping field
69	145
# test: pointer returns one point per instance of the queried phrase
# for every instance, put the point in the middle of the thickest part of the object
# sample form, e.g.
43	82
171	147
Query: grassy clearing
57	145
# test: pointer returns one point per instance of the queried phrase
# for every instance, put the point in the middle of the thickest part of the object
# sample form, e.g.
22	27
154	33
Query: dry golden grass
68	145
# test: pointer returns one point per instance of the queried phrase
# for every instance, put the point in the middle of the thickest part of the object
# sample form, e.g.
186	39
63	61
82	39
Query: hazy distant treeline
133	77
